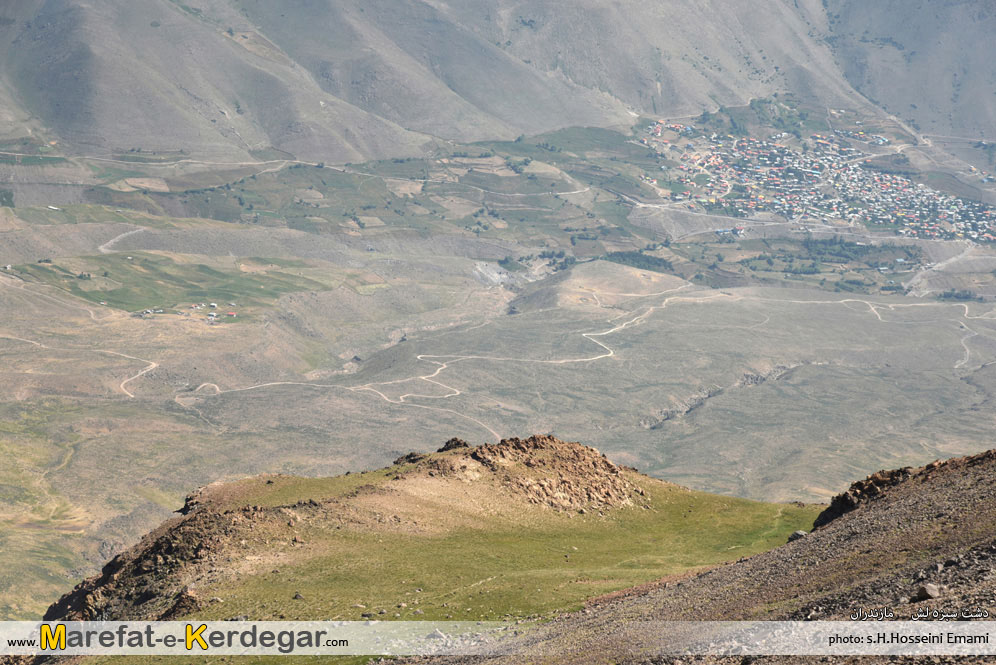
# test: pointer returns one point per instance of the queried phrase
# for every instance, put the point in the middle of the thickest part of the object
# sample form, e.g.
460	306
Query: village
825	180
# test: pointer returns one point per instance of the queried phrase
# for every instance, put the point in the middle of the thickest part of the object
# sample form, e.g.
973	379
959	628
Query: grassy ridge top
516	529
537	562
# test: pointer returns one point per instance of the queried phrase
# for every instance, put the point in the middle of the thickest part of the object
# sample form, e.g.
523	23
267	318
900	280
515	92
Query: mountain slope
343	81
928	61
352	80
115	76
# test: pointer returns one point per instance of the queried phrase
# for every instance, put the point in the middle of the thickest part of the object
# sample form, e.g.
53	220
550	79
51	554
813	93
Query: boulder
927	592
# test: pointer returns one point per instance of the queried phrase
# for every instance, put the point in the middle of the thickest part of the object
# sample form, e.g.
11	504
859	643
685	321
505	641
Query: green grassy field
148	280
30	160
829	264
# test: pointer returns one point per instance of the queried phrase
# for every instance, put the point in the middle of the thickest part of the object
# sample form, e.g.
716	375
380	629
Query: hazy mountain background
347	80
928	61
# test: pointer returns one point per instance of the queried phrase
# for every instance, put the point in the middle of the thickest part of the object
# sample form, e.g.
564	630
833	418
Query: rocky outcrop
559	474
861	492
877	484
453	444
149	574
911	541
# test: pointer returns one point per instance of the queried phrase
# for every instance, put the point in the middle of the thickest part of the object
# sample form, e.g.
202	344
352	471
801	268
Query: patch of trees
490	212
518	166
557	260
811	269
959	294
721	208
988	148
641	261
895	165
6	198
564	263
836	247
850	285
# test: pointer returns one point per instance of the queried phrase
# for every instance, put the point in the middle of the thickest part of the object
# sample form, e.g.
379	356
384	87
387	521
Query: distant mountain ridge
353	80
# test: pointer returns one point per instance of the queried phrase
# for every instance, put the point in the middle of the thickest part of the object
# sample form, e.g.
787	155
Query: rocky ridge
898	539
565	476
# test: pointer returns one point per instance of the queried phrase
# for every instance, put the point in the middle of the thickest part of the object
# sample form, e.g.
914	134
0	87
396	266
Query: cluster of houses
827	180
661	126
918	210
212	314
214	311
872	139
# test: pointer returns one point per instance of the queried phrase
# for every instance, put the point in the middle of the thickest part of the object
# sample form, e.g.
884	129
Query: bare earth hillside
346	81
